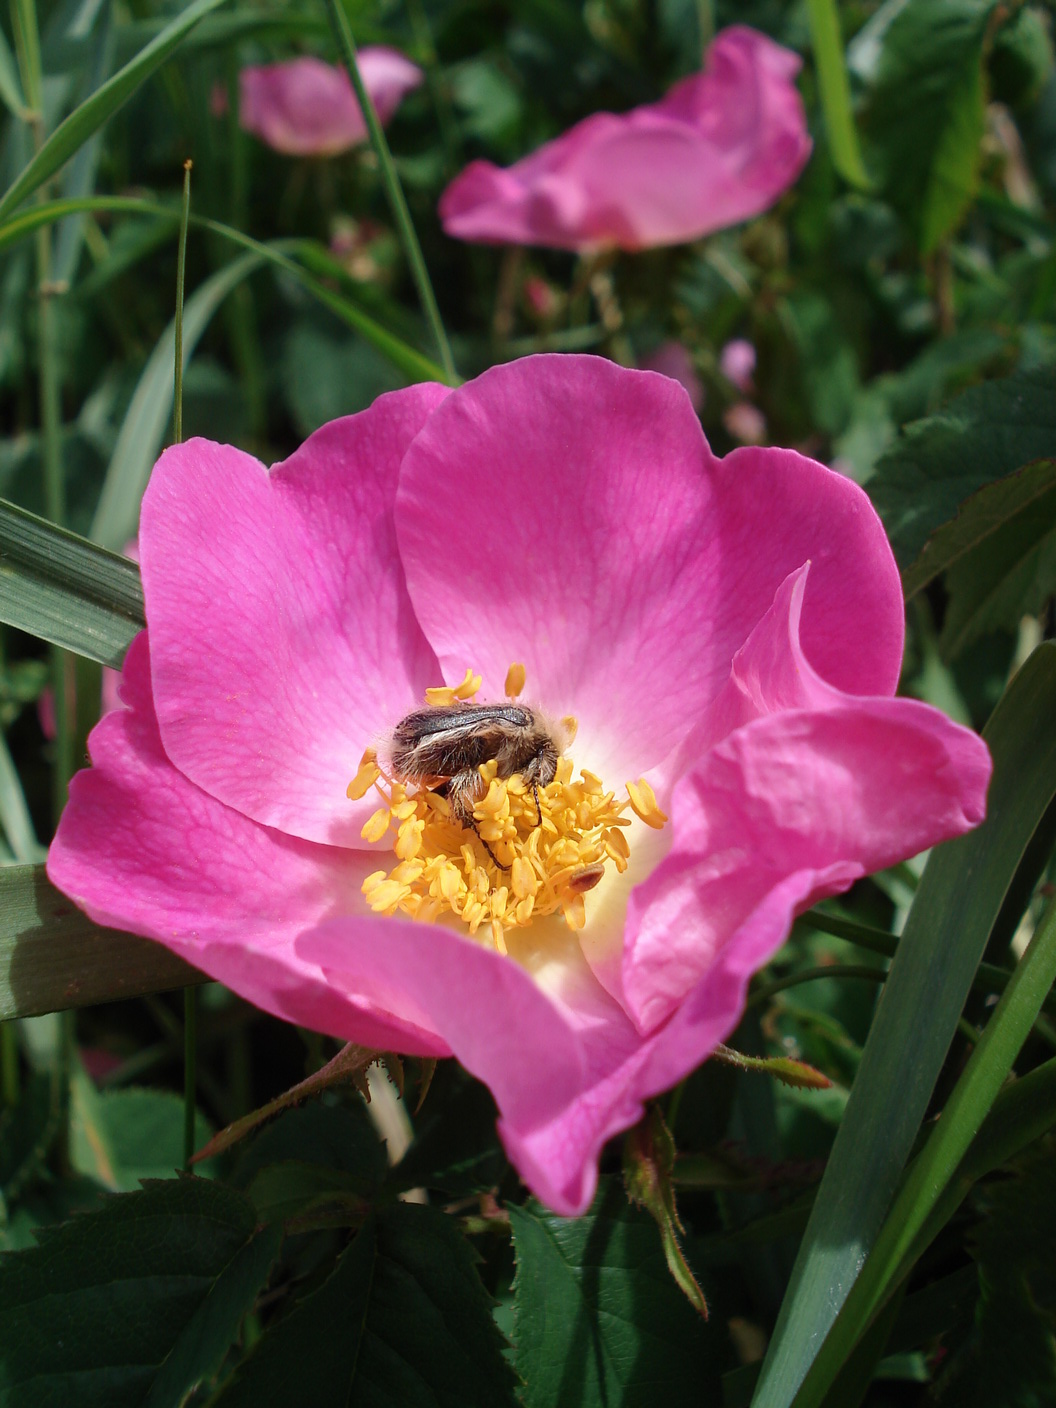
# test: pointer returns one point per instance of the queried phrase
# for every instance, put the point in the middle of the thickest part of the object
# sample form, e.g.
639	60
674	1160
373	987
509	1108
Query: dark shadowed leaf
402	1319
984	434
599	1319
150	1289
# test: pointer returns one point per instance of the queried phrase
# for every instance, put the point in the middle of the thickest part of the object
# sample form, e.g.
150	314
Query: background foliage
902	304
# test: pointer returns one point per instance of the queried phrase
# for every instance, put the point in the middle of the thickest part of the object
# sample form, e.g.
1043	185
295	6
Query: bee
442	748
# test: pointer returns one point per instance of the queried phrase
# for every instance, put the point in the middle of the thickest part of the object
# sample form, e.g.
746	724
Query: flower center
487	821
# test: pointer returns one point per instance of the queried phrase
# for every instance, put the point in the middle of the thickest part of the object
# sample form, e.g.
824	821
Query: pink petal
304	640
305	107
141	848
541	1053
812	799
567	513
718	149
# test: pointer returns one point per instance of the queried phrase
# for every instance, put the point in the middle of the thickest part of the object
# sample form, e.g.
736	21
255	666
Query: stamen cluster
531	851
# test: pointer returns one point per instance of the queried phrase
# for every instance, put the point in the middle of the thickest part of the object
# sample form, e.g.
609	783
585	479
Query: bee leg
538	808
472	822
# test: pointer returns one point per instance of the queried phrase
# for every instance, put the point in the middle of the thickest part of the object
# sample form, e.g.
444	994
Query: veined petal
830	796
139	847
304	643
568	513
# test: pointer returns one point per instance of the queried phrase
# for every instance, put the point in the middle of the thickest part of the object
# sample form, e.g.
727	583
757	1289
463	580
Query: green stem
835	92
9	1069
705	24
412	249
190	996
181	268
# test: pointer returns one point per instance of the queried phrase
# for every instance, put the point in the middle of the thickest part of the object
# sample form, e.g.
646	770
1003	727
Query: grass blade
934	1169
71	134
958	902
52	957
835	92
64	589
411	362
411	248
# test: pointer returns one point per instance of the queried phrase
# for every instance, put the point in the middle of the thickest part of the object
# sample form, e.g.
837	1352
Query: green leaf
92	1315
204	1340
10	88
984	434
148	420
956	906
14	813
123	1136
925	109
1011	1356
1011	575
402	1319
64	589
330	1136
71	134
599	1318
53	957
1029	493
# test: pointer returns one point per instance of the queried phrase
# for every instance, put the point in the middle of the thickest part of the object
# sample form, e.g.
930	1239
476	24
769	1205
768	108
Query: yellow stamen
644	804
515	678
365	778
376	827
530	851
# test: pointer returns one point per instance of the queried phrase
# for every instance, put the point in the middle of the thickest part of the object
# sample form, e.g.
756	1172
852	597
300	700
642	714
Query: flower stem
181	268
412	249
835	92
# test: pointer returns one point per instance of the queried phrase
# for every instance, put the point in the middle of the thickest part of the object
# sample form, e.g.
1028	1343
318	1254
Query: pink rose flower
737	363
306	107
719	148
727	630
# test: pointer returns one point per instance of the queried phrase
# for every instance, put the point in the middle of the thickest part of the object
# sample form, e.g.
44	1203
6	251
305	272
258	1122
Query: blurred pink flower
745	423
719	148
671	359
306	107
737	363
729	630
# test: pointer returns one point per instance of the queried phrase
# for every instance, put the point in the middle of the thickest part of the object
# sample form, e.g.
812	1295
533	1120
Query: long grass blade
66	590
53	958
953	913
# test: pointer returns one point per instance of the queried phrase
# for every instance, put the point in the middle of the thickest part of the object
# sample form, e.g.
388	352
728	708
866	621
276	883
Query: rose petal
831	795
538	1050
140	848
306	644
719	148
306	107
597	564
